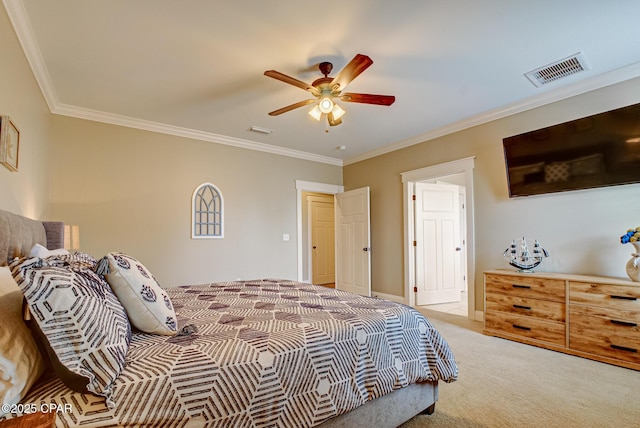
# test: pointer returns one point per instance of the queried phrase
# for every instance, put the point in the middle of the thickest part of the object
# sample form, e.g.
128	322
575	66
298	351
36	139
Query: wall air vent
559	69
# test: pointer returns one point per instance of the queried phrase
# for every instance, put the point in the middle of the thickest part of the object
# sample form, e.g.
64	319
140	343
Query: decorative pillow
76	320
147	304
556	171
43	252
519	174
21	363
587	165
78	260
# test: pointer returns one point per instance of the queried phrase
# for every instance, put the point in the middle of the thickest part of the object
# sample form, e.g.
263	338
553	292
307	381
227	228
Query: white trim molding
600	81
22	26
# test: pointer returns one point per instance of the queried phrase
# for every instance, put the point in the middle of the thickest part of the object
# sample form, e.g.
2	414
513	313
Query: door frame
465	166
308	186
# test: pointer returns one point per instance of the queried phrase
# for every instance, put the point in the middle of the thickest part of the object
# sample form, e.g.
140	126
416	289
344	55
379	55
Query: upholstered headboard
19	234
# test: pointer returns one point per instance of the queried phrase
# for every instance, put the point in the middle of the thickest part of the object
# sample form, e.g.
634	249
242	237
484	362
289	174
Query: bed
268	352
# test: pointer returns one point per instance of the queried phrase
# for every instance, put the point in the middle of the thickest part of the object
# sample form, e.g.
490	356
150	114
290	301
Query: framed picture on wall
9	143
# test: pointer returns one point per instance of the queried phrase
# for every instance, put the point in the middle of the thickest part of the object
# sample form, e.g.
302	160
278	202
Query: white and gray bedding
263	353
249	353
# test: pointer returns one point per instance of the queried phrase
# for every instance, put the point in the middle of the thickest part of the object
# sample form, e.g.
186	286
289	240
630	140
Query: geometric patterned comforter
260	354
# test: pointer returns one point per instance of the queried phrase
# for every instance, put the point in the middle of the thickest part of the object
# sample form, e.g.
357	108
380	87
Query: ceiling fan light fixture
315	113
337	111
325	105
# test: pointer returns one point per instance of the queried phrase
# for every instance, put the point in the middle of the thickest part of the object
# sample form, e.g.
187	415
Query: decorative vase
633	265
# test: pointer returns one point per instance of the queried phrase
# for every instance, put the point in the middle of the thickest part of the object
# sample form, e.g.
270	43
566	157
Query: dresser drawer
625	297
528	287
604	320
613	333
552	311
618	347
594	341
525	326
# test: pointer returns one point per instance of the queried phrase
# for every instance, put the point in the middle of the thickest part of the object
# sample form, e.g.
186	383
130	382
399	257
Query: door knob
314	247
458	249
366	249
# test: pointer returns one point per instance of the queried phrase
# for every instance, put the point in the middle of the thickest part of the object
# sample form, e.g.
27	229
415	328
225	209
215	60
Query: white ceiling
195	67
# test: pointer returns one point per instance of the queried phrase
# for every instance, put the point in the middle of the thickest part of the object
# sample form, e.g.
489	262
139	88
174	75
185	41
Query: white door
323	260
437	244
353	252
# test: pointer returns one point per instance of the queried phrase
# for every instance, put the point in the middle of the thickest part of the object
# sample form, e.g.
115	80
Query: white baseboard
391	297
479	316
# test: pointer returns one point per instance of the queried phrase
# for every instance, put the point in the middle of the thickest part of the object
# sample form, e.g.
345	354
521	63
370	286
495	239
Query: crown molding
129	122
20	21
22	26
600	81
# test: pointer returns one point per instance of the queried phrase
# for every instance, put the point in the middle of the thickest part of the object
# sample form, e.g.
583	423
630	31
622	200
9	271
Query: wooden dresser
589	316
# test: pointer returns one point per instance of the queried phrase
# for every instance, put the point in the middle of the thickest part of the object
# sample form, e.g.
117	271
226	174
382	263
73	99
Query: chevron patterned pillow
76	320
148	305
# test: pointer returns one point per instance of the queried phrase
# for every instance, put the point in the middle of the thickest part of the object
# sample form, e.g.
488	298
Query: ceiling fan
327	89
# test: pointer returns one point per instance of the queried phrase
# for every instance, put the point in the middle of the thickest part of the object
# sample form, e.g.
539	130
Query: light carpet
507	384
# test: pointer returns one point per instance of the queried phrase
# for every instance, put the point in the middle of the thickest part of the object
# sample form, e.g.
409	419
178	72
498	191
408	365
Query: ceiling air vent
559	69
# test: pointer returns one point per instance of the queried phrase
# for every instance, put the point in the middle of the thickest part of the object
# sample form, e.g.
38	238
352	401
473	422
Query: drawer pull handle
613	296
520	286
624	348
624	323
522	328
522	307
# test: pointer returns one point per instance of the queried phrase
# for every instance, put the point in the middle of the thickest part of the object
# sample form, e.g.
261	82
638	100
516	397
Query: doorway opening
318	217
352	236
439	266
304	188
440	244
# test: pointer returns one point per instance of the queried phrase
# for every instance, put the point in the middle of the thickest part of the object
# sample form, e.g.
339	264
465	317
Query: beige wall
130	190
580	229
24	192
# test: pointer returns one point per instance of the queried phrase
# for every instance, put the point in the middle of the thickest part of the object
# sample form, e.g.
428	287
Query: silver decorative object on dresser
518	254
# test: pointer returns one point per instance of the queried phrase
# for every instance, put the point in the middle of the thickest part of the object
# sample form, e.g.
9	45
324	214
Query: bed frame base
390	410
429	410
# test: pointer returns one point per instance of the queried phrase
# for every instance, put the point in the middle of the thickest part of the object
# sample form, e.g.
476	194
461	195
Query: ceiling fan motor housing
325	68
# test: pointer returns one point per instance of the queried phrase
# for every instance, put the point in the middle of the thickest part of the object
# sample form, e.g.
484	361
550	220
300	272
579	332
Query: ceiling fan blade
357	65
382	100
332	121
291	80
291	107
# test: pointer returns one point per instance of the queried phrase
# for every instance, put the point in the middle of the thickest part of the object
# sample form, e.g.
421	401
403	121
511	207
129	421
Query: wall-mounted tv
595	151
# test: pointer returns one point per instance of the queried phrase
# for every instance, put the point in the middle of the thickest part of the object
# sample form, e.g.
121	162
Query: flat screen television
595	151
